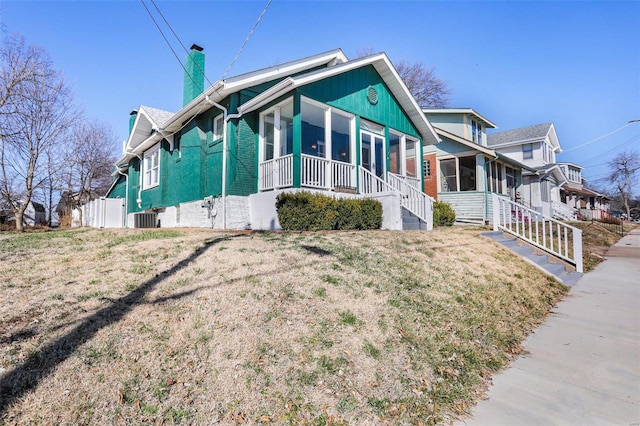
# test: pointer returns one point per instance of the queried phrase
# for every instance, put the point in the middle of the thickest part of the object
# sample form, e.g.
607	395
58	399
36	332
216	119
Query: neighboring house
536	147
462	170
34	214
586	203
321	123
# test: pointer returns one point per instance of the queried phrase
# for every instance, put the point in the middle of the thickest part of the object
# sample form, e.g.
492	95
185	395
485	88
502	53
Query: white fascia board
267	74
561	163
148	143
520	142
460	111
407	101
465	142
384	67
553	138
267	96
215	92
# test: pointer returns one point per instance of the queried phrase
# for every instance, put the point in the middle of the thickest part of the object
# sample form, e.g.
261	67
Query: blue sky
576	64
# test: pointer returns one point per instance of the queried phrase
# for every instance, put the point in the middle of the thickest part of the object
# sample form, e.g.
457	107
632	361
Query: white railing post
496	211
577	249
557	245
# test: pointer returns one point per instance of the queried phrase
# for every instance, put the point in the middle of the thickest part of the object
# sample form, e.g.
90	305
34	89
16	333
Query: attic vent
372	95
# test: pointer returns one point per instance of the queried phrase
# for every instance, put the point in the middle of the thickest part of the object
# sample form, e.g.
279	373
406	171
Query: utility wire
247	39
180	41
599	137
167	41
599	156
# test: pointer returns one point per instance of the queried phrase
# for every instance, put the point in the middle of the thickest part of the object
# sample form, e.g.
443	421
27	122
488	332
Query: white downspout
125	221
226	118
139	199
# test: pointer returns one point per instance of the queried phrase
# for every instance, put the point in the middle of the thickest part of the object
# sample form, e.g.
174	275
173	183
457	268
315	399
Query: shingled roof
538	131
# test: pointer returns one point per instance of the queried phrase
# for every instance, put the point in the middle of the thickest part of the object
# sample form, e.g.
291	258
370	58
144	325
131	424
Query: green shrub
371	211
304	211
443	214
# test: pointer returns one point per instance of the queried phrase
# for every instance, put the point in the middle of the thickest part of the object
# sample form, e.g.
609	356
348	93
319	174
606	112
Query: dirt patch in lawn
203	327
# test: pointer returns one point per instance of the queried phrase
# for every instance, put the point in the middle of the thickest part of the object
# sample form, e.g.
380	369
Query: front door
372	153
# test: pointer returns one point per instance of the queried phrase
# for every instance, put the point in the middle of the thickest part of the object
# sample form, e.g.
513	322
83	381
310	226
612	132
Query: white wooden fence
101	213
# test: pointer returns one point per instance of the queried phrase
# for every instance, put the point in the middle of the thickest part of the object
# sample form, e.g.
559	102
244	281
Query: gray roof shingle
538	131
159	116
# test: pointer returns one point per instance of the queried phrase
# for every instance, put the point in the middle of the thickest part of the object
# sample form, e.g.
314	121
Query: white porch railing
411	181
413	199
276	173
563	211
372	184
552	236
316	172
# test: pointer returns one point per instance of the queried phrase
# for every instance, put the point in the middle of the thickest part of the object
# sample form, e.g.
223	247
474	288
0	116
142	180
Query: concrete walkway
582	366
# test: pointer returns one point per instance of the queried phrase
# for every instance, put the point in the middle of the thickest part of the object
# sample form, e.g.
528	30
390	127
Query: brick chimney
194	74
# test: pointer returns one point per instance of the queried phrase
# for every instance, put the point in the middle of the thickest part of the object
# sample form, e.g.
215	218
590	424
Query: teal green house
322	123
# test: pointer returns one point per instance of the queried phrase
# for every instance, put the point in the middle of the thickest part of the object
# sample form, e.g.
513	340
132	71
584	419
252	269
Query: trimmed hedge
443	214
304	211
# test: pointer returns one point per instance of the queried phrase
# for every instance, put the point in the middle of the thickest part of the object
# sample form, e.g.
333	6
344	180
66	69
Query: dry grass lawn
202	327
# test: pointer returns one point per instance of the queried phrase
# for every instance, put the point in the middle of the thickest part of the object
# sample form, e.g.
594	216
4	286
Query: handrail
372	184
563	211
414	200
544	232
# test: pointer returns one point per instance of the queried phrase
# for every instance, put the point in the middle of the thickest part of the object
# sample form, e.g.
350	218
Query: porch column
480	173
297	142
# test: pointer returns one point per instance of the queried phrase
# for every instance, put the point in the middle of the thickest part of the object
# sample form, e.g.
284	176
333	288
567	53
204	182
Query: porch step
411	221
542	261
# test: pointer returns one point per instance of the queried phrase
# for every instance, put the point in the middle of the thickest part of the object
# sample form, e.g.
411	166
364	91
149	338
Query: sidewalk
582	366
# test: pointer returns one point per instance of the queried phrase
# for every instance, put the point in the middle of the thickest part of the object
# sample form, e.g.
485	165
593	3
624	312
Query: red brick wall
431	181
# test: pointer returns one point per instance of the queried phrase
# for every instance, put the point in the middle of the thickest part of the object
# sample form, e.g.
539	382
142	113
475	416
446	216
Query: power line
181	43
246	39
599	156
167	41
599	137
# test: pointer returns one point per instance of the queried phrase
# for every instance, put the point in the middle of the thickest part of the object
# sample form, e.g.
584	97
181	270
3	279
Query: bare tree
424	85
624	169
35	110
90	162
427	89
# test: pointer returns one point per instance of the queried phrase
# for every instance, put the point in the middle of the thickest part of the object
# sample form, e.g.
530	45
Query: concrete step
411	221
542	261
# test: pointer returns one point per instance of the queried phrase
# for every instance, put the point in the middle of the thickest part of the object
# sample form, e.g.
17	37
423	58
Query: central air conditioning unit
144	220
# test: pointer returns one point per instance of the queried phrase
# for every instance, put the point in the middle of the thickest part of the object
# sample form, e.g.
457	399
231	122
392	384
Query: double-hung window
218	127
527	151
151	167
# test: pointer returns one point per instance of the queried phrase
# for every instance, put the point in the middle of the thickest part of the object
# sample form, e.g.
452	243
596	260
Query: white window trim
403	153
327	126
276	129
147	170
218	133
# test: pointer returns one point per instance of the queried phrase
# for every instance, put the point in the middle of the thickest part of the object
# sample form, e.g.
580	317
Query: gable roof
385	69
522	135
469	111
152	124
38	207
488	151
157	126
147	121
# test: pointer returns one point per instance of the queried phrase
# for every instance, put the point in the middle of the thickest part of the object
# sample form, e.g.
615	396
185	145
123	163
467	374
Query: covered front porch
307	144
328	175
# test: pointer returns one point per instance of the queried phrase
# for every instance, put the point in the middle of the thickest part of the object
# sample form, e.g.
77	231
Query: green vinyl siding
243	172
348	92
119	190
